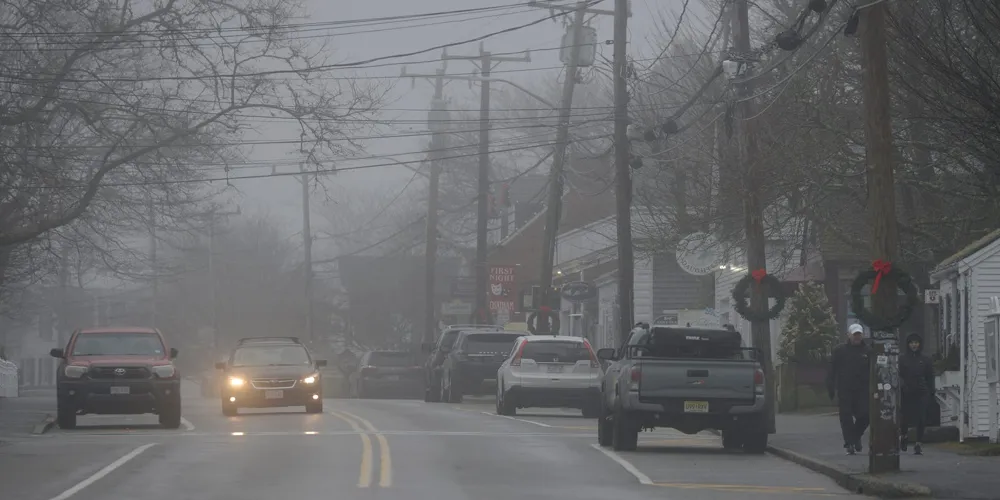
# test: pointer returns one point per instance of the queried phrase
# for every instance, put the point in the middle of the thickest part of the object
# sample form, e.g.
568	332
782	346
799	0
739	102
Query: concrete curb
863	484
45	425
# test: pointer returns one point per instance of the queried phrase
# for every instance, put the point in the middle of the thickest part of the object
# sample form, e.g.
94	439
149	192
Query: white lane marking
643	479
188	426
103	472
540	424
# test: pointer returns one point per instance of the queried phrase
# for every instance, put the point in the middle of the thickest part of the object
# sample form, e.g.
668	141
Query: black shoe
902	443
858	447
917	449
849	448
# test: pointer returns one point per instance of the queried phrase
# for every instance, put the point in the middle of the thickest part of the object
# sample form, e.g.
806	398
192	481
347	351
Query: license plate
274	394
696	407
392	377
555	369
119	390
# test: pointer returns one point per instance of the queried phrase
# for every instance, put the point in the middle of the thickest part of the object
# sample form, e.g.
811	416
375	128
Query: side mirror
320	363
221	365
57	353
173	353
607	354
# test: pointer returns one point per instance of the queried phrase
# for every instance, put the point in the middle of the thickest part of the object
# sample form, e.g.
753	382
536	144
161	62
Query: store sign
501	292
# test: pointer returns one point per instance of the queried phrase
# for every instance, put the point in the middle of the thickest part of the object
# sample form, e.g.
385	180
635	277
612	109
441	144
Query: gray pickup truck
689	379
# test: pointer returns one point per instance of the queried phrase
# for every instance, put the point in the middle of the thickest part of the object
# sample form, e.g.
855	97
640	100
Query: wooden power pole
883	450
436	122
623	174
753	212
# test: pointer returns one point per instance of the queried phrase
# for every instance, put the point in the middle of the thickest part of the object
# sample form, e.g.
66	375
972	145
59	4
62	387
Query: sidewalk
815	442
21	415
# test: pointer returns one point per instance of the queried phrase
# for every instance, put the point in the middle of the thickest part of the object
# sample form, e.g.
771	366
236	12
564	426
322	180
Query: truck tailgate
701	379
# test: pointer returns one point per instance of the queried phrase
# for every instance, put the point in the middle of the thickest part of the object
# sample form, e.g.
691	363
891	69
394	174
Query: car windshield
490	343
556	352
391	359
118	344
692	344
271	355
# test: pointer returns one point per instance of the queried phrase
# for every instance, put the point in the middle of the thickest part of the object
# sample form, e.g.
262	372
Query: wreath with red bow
758	278
883	269
553	321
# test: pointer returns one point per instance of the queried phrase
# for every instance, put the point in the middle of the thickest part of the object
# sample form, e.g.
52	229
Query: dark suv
271	372
117	371
438	352
475	358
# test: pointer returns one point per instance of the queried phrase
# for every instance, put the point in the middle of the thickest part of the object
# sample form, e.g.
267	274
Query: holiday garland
758	278
882	269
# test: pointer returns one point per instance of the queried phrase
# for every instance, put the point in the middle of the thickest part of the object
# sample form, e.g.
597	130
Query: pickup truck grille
118	372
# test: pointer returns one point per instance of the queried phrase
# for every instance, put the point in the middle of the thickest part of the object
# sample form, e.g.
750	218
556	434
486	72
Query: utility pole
486	65
152	260
760	331
307	244
213	280
553	210
623	175
883	449
437	123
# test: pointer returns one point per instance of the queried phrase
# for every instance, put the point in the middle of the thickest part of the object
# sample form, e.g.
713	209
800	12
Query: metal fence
8	379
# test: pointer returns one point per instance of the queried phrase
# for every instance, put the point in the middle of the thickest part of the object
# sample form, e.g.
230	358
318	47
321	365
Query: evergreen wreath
883	269
741	304
553	321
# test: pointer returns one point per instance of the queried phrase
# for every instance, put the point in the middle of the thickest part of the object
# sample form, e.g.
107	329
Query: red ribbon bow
882	268
759	275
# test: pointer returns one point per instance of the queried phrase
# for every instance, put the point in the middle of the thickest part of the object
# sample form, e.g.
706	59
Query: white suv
548	371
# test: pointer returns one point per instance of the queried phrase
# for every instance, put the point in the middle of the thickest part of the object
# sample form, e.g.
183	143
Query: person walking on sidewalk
916	377
847	380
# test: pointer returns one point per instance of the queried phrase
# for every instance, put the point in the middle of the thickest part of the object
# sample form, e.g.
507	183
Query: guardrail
8	379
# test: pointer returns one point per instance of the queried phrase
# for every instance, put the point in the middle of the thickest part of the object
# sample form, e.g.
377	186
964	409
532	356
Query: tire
508	406
731	440
755	442
316	407
65	415
170	414
604	427
432	393
624	432
229	409
454	392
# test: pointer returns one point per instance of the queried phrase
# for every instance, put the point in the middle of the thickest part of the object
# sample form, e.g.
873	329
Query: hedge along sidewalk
815	442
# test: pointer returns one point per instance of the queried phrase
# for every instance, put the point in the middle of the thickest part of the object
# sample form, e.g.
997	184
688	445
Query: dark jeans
913	411
853	415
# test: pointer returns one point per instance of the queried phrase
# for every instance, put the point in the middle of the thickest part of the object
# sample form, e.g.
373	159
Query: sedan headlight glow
236	382
311	379
164	371
73	371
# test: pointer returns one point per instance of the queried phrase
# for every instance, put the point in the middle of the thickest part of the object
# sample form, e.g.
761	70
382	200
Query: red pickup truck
117	371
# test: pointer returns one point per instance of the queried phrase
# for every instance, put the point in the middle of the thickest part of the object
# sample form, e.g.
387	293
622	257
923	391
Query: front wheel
229	409
170	414
315	407
432	393
65	414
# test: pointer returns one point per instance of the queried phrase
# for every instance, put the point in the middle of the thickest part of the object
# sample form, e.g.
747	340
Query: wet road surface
384	449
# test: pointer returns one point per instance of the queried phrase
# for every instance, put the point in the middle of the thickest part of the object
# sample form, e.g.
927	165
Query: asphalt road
384	449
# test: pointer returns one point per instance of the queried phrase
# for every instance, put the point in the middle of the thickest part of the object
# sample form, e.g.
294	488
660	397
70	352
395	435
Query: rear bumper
94	396
300	395
721	415
545	397
476	373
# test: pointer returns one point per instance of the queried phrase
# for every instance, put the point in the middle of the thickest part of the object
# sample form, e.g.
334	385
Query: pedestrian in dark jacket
916	377
847	380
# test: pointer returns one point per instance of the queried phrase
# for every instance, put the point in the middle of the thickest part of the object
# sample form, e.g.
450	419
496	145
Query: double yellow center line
363	427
